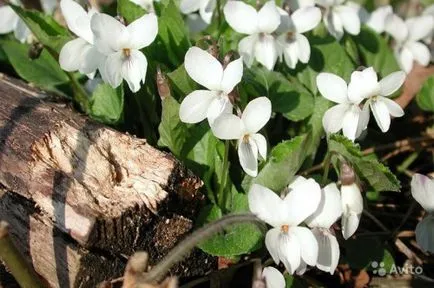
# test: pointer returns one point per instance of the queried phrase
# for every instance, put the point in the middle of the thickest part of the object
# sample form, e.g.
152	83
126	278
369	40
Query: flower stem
326	167
222	194
80	95
219	13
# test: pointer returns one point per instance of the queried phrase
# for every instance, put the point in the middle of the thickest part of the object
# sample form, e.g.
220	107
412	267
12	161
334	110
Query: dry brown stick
413	83
18	266
423	141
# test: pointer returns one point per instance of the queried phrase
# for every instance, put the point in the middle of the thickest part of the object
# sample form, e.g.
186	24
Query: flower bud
347	175
162	85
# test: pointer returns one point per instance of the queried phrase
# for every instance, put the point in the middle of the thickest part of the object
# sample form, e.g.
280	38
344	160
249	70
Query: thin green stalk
326	167
21	270
80	95
219	14
222	194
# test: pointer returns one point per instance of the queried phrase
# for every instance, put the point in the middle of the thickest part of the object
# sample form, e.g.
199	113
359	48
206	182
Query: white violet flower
11	22
347	115
407	35
273	278
422	189
329	210
205	8
288	242
293	44
339	17
375	20
365	85
259	25
352	208
245	130
79	54
206	70
121	44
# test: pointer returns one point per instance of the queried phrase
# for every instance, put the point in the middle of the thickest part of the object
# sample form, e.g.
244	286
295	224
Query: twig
18	266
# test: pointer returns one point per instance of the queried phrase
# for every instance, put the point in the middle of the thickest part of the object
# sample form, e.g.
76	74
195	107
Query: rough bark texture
81	196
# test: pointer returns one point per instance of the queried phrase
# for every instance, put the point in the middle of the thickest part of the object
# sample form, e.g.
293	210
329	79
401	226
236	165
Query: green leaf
235	240
129	10
327	55
376	52
368	169
172	42
107	104
287	96
173	133
44	72
425	97
315	125
362	258
44	27
181	82
285	160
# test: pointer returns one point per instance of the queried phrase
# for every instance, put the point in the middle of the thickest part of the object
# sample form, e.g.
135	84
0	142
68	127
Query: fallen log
80	196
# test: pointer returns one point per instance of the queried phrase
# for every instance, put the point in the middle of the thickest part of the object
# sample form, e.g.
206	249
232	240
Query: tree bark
81	196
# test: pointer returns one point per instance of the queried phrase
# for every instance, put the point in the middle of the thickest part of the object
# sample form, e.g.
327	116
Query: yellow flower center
127	52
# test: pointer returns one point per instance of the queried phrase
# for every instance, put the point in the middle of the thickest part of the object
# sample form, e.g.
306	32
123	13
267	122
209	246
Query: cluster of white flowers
363	86
313	244
11	22
215	105
106	45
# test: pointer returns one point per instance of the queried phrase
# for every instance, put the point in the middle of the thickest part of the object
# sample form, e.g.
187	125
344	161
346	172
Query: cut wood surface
81	196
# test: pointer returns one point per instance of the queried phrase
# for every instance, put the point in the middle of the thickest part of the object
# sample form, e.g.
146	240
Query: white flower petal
302	268
350	223
220	105
260	200
334	24
329	210
194	107
349	18
203	68
91	59
328	254
246	48
207	9
363	84
381	114
302	201
351	122
256	114
143	31
308	244
286	23
396	27
298	180
394	109
363	120
405	59
391	83
134	70
303	48
419	27
306	19
77	19
70	57
422	190
296	4
109	34
22	32
351	198
377	19
421	53
189	6
332	87
332	119
242	17
232	75
290	50
8	19
248	154
113	69
228	127
425	234
268	18
272	242
266	51
273	278
289	251
261	143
